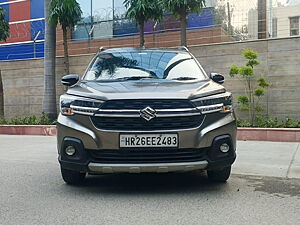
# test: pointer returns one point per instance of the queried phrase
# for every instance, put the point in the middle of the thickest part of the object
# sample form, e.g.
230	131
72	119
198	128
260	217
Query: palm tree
142	11
4	34
4	26
68	14
180	9
49	100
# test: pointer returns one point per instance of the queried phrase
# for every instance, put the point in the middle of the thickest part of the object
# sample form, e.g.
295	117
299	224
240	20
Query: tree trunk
183	28
49	100
66	51
1	98
142	35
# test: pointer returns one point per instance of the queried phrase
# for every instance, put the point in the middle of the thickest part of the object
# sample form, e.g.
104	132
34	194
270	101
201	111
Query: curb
243	134
269	134
28	130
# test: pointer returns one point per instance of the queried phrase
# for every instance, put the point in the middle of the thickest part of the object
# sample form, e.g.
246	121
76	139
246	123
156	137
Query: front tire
72	177
221	175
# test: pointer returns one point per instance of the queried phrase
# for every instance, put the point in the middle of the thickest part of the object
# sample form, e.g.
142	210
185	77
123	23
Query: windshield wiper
134	78
185	78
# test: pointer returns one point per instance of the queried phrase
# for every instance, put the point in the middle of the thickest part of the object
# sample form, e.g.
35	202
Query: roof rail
184	48
101	49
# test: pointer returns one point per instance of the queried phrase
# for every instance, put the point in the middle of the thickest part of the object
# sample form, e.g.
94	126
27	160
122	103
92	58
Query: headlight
69	105
214	103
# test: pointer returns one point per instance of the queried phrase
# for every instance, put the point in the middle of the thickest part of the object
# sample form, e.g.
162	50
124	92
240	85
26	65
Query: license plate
148	140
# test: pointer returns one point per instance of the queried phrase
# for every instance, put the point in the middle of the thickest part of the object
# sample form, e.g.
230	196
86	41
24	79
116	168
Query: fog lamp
70	150
224	148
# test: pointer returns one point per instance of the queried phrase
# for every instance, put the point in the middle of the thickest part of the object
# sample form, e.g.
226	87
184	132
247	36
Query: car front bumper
98	151
94	166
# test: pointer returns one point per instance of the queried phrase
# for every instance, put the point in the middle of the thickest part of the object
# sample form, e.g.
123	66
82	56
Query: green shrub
29	120
243	123
45	120
255	87
267	122
2	121
291	123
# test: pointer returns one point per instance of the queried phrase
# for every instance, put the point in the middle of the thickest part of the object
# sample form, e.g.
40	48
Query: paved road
32	192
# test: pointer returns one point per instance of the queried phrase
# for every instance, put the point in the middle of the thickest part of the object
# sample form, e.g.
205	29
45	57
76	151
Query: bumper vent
150	156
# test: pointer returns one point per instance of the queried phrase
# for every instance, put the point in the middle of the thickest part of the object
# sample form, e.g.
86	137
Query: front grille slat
124	122
148	156
139	124
140	104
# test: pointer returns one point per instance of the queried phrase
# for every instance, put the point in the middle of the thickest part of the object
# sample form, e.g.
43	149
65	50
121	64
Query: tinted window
148	64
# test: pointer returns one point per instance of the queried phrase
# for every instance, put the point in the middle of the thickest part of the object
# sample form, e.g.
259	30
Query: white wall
283	22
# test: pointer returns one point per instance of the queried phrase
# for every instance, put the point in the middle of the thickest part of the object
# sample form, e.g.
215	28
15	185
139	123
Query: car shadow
151	183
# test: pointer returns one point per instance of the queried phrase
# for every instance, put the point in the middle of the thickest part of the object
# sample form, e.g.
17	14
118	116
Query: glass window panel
294	26
274	27
188	68
116	65
124	28
81	32
294	32
294	22
82	29
103	30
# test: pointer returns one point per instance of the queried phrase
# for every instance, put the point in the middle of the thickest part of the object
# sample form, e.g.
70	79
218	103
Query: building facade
285	21
103	23
27	29
107	20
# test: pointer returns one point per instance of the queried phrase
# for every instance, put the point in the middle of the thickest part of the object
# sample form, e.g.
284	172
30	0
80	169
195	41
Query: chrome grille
140	124
134	115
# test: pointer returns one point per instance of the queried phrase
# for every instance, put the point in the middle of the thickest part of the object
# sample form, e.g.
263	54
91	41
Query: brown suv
145	110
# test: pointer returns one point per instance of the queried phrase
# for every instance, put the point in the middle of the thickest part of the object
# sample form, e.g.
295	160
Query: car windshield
135	65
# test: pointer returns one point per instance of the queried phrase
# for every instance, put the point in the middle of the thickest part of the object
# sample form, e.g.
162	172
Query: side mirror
218	78
70	80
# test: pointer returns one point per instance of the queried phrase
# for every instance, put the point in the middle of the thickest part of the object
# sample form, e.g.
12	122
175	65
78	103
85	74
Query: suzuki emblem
148	113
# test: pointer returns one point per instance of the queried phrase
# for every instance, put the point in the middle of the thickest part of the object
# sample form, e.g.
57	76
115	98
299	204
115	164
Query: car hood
146	89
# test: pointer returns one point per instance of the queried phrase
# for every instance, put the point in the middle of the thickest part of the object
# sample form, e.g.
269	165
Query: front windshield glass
144	65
